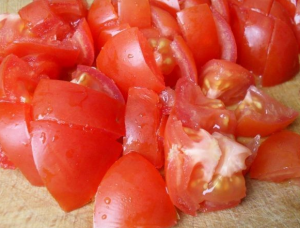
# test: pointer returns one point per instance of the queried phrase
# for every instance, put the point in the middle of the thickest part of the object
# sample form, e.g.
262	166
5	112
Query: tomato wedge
72	172
278	158
129	203
260	114
127	58
142	120
15	139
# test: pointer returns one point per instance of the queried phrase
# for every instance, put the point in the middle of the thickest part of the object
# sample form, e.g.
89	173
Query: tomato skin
287	66
134	204
95	79
226	37
62	51
70	170
278	158
252	46
184	58
135	13
128	59
142	120
66	102
224	80
15	139
165	22
260	114
199	30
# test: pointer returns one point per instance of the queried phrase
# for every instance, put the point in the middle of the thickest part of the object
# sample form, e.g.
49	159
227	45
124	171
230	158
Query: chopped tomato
224	80
70	10
278	158
184	58
94	79
127	58
83	41
17	80
197	111
194	176
43	22
172	6
164	22
261	114
139	199
66	102
222	7
15	139
199	30
71	171
135	13
43	65
142	121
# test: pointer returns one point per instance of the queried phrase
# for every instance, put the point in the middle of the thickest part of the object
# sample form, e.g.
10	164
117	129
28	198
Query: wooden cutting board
266	204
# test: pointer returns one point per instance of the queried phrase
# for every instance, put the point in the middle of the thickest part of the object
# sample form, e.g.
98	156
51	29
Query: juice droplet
104	216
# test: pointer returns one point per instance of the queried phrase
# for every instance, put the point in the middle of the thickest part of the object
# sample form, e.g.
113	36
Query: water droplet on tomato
104	216
130	56
107	200
49	110
54	138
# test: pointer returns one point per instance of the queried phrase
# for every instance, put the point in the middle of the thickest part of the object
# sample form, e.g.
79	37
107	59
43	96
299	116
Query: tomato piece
43	22
188	166
63	52
43	65
135	13
261	114
197	111
297	22
165	22
184	58
100	13
5	163
134	204
278	158
66	102
142	120
280	68
109	32
83	41
224	80
17	80
127	58
93	78
198	180
72	172
69	10
199	30
226	37
253	34
15	139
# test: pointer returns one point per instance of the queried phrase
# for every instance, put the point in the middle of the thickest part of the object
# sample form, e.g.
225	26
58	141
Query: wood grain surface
266	204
